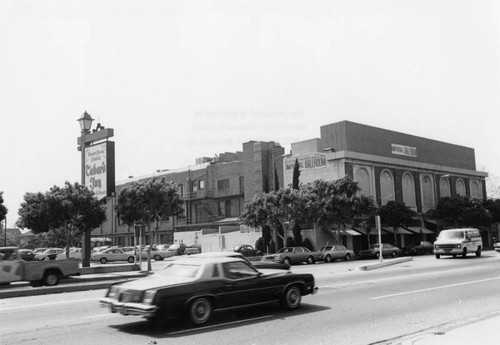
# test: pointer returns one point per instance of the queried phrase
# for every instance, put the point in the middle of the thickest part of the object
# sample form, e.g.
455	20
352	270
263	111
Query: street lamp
85	124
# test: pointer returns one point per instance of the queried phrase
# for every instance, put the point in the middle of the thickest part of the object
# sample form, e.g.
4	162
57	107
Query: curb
383	264
68	285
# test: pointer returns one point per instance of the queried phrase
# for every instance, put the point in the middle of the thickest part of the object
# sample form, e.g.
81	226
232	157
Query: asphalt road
352	307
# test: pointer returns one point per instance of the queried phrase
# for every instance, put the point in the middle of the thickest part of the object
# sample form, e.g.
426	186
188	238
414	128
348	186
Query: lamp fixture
85	122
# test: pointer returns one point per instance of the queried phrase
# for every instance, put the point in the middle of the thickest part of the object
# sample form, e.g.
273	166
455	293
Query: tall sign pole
99	179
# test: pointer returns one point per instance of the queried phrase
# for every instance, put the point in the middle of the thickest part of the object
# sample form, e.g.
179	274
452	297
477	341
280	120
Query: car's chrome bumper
448	251
128	308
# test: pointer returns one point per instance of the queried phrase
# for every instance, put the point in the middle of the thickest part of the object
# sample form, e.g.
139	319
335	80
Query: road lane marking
48	304
436	288
220	325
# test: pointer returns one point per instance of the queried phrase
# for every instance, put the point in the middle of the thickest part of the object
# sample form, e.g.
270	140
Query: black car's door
243	285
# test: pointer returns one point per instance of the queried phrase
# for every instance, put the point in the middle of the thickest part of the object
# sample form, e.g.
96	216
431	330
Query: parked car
458	242
335	252
48	254
293	255
112	254
497	246
177	248
196	287
156	254
423	248
192	249
247	250
257	264
26	254
373	251
74	253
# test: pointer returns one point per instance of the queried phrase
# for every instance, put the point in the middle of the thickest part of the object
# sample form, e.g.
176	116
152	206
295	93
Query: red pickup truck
13	269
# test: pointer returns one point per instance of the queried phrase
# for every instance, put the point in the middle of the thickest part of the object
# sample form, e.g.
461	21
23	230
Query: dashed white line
436	288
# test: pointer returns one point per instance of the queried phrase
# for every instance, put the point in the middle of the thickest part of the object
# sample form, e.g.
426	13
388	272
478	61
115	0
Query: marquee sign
99	169
307	162
403	150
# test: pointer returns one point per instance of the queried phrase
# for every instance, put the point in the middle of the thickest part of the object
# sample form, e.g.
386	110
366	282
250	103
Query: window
475	190
386	187
408	186
202	184
444	187
363	179
461	187
242	184
238	270
427	193
223	184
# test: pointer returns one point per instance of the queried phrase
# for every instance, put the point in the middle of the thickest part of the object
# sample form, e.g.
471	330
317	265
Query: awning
100	239
351	232
228	220
401	231
419	230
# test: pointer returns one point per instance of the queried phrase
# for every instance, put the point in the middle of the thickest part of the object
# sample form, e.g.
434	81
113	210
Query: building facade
214	191
387	165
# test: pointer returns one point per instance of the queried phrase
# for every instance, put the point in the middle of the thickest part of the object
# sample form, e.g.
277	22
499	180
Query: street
351	307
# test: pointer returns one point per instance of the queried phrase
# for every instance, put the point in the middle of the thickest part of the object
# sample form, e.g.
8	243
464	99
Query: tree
3	212
460	211
271	210
276	179
149	202
396	215
296	174
336	204
72	209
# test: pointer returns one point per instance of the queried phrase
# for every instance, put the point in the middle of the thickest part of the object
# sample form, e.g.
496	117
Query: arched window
444	187
475	189
363	179
386	187
461	187
408	185
427	193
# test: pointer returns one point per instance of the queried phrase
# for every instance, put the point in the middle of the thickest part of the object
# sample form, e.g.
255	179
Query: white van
458	242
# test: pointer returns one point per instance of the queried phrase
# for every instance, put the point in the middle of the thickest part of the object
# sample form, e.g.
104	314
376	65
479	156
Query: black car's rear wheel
130	259
347	257
310	260
200	311
287	261
157	257
328	258
291	298
103	260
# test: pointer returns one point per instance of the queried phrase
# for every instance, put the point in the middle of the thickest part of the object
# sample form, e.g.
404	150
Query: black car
26	254
247	250
196	287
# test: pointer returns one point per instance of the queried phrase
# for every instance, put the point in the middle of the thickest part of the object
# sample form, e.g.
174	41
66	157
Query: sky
177	80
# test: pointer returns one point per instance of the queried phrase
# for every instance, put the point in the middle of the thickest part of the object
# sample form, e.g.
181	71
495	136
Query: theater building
387	165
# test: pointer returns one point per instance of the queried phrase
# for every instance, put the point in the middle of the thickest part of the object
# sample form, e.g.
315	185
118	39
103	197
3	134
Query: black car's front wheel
200	311
291	298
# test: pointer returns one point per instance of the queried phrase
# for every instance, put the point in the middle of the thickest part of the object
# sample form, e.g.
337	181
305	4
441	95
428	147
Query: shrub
306	243
259	245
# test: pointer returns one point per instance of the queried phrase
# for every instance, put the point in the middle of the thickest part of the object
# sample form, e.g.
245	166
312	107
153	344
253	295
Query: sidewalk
473	331
75	283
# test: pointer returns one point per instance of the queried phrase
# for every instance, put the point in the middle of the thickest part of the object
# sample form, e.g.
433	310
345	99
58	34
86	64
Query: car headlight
112	292
149	296
459	246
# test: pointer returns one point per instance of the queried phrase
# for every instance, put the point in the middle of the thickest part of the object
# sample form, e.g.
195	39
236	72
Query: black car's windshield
179	270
